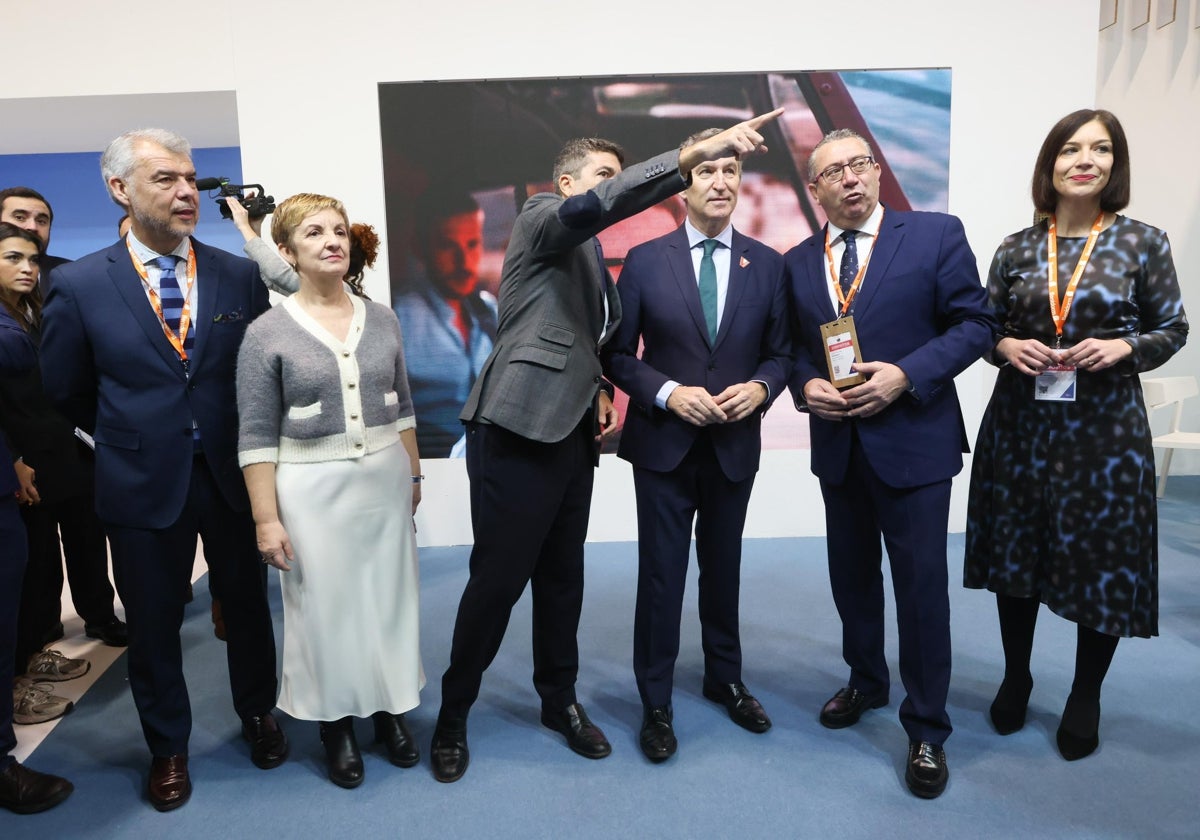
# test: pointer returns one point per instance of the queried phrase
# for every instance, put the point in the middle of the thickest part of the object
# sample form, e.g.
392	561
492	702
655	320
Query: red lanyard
185	317
847	298
1058	312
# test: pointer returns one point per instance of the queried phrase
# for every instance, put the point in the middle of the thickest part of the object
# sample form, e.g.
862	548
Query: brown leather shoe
25	791
170	786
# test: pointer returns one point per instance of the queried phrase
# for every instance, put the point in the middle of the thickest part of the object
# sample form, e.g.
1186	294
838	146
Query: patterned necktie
171	297
849	268
708	288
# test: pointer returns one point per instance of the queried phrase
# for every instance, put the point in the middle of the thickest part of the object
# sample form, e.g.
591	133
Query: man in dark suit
140	349
29	210
885	450
711	308
22	790
532	419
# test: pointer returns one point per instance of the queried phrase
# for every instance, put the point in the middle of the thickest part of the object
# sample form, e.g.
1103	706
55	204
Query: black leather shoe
847	706
268	744
743	708
1079	716
448	750
583	736
658	736
341	753
25	791
113	632
1010	706
926	774
392	732
170	785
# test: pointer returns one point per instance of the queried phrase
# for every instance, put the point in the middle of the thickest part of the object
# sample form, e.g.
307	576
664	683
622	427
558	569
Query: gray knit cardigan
304	397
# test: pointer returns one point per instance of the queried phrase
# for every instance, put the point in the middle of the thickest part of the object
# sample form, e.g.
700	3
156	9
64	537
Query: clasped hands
885	383
695	405
1031	357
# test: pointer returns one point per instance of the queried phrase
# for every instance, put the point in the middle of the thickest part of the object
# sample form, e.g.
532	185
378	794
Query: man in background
448	321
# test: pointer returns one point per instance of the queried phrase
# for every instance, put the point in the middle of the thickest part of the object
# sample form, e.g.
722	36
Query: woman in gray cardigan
327	444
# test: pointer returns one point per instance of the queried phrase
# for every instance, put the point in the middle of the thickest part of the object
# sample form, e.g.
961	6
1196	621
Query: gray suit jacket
544	370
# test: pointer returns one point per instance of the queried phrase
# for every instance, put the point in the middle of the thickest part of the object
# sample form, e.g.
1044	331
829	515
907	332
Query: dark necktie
849	268
170	296
708	288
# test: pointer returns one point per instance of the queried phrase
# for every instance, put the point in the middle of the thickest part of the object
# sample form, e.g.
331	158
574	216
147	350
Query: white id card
1055	384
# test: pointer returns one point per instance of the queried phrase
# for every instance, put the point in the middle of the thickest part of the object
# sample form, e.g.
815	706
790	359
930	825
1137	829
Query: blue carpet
798	780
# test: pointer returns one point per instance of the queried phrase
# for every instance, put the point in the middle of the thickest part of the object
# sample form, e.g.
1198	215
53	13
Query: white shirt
864	243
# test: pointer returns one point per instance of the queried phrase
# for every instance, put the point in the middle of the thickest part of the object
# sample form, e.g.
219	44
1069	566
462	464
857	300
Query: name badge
842	352
1055	384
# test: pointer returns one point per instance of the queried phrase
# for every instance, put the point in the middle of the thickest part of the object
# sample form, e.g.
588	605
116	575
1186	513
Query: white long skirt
351	641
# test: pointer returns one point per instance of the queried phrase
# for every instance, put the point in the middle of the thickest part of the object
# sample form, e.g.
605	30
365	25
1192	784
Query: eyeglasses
833	174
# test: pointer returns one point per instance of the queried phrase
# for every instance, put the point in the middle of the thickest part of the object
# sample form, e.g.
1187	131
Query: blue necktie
849	269
708	288
170	296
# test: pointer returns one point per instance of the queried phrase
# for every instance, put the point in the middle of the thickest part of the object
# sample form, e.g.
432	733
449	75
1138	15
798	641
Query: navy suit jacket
660	304
922	307
17	356
112	372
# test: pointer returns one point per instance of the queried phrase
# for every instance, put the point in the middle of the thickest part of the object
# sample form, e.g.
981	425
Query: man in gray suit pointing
533	419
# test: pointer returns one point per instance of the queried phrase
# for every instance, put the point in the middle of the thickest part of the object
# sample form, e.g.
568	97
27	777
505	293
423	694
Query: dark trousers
86	553
529	514
913	523
12	570
667	504
152	568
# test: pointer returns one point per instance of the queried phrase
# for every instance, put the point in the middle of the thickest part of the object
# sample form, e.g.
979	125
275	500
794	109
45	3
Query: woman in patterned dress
1062	508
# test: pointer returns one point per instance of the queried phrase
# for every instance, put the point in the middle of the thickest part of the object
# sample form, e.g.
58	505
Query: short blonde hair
292	211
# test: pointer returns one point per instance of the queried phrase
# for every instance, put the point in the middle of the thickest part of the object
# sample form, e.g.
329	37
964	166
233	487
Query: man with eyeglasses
888	305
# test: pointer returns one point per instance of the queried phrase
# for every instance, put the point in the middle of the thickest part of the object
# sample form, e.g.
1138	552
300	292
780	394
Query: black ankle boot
341	752
391	731
1011	703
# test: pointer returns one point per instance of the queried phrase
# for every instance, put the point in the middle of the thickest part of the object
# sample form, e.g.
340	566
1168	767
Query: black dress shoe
1010	706
341	753
113	632
268	744
25	791
448	751
657	737
926	774
170	785
1079	717
847	706
392	732
743	708
583	736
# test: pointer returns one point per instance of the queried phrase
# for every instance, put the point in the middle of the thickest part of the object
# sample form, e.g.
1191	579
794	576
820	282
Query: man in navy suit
711	308
140	349
885	450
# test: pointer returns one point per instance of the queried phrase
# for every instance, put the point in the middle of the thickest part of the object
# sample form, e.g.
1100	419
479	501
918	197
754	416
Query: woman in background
1062	508
327	443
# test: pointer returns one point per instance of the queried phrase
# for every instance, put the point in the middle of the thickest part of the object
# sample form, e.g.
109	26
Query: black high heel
1079	714
1010	706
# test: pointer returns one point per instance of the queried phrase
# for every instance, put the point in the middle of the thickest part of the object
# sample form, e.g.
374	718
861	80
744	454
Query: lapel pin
743	262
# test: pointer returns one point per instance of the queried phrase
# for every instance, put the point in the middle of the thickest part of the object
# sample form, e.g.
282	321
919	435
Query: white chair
1162	393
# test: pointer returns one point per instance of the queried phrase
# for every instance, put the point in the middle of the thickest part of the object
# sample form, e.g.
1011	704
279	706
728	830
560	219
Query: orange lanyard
1058	312
185	317
847	298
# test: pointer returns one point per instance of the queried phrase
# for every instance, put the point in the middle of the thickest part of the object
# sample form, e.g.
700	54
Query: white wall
1150	78
305	74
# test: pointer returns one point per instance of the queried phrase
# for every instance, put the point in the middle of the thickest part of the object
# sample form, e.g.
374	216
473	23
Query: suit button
596	380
